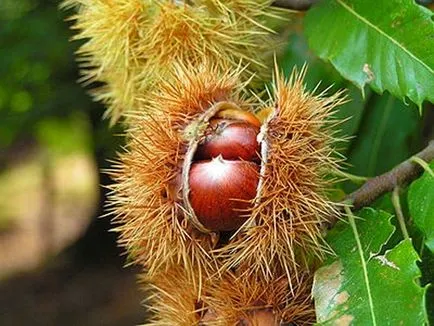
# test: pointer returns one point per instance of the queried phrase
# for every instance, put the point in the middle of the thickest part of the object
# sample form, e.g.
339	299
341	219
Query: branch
294	4
398	176
387	182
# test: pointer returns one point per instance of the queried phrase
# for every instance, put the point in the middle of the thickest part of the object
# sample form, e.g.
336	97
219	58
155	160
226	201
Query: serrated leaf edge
368	23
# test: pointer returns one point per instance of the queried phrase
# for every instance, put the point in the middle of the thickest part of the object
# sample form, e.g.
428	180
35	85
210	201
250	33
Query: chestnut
222	191
233	140
239	115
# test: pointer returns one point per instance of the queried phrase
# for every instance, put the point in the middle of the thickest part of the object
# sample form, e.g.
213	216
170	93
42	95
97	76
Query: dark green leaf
386	44
362	286
427	268
388	135
421	205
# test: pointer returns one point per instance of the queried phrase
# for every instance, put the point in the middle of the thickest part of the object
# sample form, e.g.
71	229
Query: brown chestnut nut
238	115
233	140
221	191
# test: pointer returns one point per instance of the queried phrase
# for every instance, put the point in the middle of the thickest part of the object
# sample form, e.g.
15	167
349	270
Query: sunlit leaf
364	286
386	44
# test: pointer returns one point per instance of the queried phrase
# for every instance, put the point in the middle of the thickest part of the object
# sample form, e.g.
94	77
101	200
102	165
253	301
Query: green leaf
421	206
389	134
386	44
362	286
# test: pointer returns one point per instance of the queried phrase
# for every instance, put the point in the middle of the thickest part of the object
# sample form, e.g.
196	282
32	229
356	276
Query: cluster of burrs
221	193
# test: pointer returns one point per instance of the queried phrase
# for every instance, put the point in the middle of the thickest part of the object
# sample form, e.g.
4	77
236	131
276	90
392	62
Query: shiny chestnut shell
222	191
233	140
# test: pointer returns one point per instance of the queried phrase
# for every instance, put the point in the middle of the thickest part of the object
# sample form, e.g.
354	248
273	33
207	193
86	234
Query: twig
353	178
398	176
375	187
294	4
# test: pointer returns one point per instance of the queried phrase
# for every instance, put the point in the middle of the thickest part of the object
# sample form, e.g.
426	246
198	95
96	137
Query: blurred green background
59	265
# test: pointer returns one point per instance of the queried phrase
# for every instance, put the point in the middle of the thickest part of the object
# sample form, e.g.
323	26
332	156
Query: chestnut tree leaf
389	134
421	206
385	44
361	285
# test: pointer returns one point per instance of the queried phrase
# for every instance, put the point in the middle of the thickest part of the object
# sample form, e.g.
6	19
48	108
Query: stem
423	164
294	4
378	186
398	176
397	205
353	178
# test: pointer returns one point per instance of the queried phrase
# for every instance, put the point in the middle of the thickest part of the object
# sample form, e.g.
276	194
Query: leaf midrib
364	267
368	23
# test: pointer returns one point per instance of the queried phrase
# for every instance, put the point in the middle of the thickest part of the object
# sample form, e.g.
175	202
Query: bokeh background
59	265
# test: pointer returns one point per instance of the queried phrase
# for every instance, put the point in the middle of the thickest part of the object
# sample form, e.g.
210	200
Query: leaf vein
368	23
364	267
